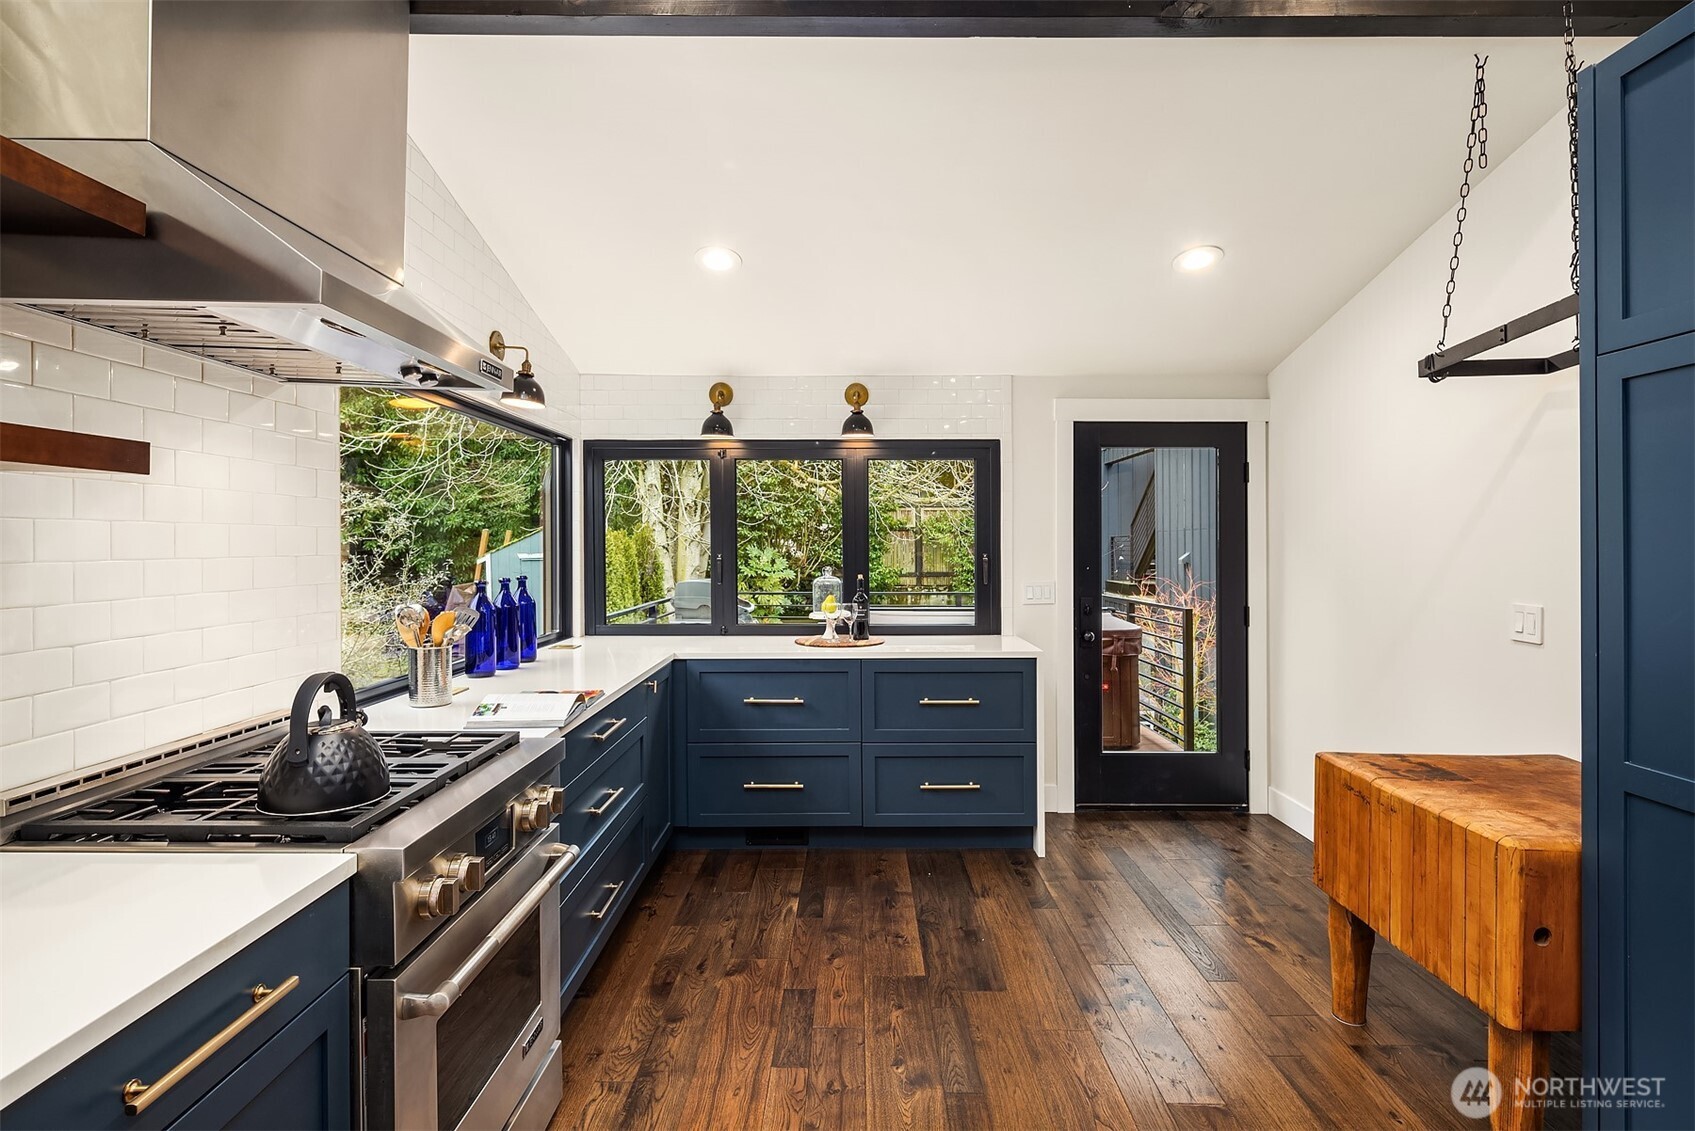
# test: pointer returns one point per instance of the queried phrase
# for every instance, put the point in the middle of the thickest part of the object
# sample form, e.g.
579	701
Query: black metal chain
1476	157
1571	139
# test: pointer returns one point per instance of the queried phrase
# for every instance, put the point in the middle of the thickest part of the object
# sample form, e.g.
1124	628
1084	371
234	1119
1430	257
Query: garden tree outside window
722	536
433	495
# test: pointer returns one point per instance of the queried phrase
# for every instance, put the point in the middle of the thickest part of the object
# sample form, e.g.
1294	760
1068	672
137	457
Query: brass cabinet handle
612	795
138	1097
612	891
797	702
947	786
772	785
653	686
950	702
609	731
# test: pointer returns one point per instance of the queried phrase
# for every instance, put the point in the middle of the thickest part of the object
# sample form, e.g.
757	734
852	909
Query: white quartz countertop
614	664
90	941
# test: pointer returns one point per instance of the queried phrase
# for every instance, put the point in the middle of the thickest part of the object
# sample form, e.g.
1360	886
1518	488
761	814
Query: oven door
457	1035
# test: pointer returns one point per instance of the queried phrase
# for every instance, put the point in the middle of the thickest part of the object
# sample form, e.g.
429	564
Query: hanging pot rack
1462	360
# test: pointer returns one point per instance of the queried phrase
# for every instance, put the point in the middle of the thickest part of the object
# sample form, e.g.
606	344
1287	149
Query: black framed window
727	536
436	492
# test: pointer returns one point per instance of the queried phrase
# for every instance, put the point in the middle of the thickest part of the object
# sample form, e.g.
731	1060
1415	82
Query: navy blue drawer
589	911
606	725
979	783
799	784
939	700
313	944
595	800
773	701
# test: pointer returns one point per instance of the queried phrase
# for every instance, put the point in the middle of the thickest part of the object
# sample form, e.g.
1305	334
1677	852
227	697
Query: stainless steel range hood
268	140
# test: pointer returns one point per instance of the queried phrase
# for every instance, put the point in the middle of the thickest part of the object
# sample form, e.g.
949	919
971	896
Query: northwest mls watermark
1477	1092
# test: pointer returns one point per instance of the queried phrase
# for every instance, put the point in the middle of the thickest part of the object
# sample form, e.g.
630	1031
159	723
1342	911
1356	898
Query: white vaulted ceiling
956	206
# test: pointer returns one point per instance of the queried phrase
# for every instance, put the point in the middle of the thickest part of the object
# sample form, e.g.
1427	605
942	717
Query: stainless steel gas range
455	901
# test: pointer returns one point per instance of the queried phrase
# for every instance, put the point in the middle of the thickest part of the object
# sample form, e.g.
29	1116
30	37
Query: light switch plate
1041	593
1527	624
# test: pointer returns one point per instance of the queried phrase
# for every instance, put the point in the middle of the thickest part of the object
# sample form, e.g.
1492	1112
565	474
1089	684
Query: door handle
1089	638
602	736
773	785
138	1097
774	702
970	785
612	891
611	796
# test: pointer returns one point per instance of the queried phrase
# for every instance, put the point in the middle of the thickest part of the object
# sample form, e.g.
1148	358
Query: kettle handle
300	717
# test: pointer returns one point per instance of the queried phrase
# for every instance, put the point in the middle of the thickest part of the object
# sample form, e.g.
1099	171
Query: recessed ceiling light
718	258
1200	258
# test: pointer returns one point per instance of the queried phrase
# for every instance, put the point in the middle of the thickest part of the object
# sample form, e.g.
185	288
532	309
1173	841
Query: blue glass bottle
479	642
506	628
526	621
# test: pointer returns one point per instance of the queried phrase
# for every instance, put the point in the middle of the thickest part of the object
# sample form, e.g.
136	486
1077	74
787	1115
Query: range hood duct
268	140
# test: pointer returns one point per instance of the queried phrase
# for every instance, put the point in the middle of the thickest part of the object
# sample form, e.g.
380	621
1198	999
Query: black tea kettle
325	765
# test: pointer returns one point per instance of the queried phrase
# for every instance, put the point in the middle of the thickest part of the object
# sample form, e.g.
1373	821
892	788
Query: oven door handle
435	1004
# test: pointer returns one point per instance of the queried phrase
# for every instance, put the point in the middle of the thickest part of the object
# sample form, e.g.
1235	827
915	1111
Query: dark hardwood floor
1154	971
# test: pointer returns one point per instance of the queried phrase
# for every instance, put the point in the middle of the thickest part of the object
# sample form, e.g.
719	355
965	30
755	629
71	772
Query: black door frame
1186	780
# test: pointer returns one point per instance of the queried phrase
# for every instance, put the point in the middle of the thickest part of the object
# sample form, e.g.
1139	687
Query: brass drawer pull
602	736
138	1097
772	785
946	786
775	702
950	702
612	795
612	891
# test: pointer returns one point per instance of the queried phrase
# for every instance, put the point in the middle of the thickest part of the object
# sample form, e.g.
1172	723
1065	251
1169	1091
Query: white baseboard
1291	813
1050	800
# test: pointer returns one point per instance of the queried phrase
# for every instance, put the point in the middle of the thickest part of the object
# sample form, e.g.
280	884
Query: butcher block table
1469	864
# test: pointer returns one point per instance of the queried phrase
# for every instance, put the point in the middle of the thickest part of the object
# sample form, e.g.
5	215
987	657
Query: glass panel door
1161	618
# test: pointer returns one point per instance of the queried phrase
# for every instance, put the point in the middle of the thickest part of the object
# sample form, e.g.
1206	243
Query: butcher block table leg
1517	1058
1350	964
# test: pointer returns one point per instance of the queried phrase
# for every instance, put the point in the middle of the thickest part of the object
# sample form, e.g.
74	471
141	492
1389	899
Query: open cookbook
509	710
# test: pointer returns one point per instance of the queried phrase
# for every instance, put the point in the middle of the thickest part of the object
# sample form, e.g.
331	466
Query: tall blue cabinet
1637	131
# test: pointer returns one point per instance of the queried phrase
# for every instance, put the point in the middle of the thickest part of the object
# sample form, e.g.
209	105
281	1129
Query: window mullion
856	519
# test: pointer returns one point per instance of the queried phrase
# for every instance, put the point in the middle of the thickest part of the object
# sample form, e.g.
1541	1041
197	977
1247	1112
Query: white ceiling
955	206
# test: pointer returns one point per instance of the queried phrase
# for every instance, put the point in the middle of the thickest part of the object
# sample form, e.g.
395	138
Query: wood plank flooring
1153	971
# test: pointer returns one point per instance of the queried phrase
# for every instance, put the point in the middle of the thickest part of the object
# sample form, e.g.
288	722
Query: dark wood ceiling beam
1044	18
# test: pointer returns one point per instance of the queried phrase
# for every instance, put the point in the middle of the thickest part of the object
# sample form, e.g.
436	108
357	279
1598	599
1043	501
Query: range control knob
531	811
463	869
552	796
435	898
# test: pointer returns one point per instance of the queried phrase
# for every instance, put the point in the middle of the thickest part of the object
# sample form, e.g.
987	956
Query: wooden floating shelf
43	197
54	447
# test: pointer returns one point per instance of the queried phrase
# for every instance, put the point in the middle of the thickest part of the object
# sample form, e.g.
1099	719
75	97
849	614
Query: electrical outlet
1040	593
1527	624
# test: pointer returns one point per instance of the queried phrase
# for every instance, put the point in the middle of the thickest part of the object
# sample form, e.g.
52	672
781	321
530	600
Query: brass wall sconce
716	423
526	392
857	423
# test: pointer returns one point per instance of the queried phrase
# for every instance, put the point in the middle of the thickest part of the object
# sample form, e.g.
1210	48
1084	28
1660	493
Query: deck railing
1168	661
778	605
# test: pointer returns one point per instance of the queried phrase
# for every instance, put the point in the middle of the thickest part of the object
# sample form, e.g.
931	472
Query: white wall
1406	518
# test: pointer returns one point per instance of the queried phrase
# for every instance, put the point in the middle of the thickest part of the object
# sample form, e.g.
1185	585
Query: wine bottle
861	610
479	642
526	621
506	647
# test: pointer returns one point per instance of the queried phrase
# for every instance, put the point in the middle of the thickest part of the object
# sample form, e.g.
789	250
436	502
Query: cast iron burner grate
217	801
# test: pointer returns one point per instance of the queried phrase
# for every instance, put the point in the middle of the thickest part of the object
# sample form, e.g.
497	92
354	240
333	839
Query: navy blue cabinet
1637	137
950	783
930	700
659	763
773	701
773	784
291	1066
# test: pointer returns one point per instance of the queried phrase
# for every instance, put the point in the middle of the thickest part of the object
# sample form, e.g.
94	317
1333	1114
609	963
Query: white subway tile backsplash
40	758
35	494
273	448
139	694
107	498
206	401
57	368
61	626
229	575
162	360
41	408
197	469
103	343
72	707
254	477
35	671
168	576
143	616
225	641
141	541
105	660
172	650
253	412
17	540
225	439
35	326
104	581
134	385
102	742
72	540
202	540
169	724
15	362
17	631
227	377
169	430
15	721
